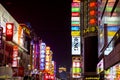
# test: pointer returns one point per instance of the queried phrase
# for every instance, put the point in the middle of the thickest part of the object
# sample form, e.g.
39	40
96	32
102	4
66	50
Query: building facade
108	53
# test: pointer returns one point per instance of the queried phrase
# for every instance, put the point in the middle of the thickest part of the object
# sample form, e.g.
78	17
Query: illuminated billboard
42	55
75	33
76	45
47	58
75	18
74	9
75	28
76	67
15	56
75	4
76	70
75	23
9	31
75	14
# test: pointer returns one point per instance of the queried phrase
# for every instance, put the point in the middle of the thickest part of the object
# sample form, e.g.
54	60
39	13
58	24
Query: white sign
76	45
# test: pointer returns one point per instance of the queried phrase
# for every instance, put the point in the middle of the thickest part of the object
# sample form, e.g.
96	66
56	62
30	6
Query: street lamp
29	68
18	58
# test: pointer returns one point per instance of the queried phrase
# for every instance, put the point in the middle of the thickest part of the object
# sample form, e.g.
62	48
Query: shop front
113	73
112	64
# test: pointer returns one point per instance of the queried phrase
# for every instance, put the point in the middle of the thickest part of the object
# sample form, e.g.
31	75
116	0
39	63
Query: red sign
75	14
9	31
15	56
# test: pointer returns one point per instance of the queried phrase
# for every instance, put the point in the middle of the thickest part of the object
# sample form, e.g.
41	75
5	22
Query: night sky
51	20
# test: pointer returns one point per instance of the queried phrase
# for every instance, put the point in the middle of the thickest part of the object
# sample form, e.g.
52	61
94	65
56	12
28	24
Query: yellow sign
26	29
111	33
76	0
75	33
91	29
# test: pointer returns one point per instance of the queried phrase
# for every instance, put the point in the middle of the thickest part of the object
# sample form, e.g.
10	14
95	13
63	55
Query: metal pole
4	53
18	58
4	57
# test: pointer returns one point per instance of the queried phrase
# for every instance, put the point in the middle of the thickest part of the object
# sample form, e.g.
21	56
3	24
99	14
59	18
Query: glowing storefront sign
9	31
113	73
15	55
76	67
47	58
42	55
20	36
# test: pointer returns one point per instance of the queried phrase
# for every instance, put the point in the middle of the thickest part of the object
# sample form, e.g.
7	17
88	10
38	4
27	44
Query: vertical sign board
42	55
75	27
75	45
1	33
47	58
76	67
9	31
15	56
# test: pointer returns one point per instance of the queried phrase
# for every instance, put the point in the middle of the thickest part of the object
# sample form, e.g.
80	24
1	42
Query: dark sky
51	20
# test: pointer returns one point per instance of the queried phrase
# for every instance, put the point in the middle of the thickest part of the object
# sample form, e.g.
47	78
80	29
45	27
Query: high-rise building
89	39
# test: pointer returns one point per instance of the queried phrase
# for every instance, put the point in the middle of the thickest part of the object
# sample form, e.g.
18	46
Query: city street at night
60	40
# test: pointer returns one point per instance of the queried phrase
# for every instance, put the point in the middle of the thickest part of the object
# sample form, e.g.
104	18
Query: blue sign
75	28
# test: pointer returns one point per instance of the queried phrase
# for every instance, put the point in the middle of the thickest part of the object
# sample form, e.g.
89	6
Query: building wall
113	57
90	54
